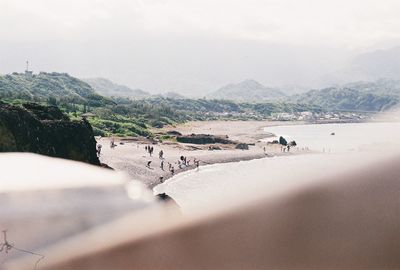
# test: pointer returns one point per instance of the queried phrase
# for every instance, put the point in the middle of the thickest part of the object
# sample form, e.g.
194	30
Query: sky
190	46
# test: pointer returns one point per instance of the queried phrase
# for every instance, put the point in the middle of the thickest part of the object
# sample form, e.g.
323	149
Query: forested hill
247	91
59	88
346	98
108	88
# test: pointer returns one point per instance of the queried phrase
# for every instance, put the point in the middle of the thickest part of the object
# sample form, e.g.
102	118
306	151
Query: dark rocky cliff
47	131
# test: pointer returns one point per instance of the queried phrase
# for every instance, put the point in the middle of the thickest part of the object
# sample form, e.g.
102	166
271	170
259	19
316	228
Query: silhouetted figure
112	144
99	150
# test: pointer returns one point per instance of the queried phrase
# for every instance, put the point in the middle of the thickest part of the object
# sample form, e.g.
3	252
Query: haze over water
220	185
347	137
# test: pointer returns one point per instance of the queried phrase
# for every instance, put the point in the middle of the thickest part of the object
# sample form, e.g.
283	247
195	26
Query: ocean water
222	185
348	137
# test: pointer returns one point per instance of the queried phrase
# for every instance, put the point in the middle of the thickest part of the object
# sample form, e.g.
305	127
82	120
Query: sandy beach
130	156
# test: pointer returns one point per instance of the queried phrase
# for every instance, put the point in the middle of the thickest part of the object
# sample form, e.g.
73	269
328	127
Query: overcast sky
193	46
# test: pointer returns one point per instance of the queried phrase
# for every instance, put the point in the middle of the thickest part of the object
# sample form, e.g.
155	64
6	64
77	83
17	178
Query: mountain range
108	88
380	95
370	66
247	90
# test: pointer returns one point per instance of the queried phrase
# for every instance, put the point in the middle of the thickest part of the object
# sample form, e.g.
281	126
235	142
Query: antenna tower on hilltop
27	71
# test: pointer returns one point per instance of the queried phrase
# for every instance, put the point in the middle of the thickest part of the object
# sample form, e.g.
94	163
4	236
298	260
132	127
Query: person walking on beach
98	150
162	165
112	144
197	163
161	154
145	148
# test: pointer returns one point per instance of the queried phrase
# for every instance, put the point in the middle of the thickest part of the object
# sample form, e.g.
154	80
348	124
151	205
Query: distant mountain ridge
378	87
108	88
247	90
368	67
380	95
61	87
173	95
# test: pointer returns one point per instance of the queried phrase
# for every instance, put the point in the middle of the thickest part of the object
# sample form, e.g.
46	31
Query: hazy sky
193	46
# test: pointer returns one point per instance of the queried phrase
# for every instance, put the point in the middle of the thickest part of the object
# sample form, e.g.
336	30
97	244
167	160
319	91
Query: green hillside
108	88
58	88
336	98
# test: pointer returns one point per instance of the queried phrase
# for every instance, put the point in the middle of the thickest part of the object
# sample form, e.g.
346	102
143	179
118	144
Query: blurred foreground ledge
83	217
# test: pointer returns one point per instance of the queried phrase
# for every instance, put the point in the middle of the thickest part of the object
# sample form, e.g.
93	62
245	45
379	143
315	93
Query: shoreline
226	160
130	157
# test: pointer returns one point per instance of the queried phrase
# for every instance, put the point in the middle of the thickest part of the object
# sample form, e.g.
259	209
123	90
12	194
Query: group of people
149	149
99	147
182	162
285	148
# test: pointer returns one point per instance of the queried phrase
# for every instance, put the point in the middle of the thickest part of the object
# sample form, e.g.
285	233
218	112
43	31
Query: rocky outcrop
242	146
174	133
47	131
282	141
203	139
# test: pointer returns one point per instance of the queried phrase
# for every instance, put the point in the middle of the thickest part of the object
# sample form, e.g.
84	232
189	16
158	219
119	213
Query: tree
52	101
